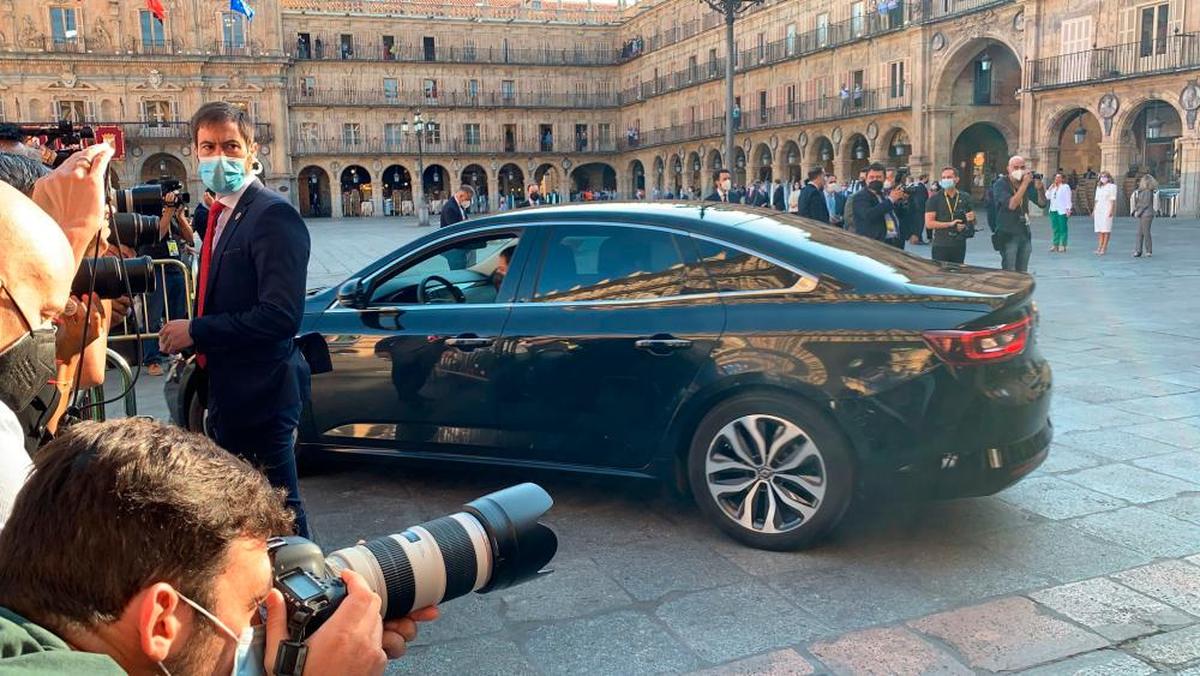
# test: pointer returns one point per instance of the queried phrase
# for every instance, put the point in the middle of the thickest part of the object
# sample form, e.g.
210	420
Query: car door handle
468	342
661	345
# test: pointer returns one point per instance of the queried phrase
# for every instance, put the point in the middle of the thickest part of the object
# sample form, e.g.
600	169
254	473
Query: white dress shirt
15	464
230	202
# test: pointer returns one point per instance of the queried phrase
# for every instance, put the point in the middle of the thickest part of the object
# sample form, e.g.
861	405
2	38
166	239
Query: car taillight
992	344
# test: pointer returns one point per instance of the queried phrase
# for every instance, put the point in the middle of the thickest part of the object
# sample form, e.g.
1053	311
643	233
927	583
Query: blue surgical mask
946	183
249	658
223	175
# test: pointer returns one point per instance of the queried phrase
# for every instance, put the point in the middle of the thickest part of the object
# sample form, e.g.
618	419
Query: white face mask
1104	179
832	187
1018	174
887	185
249	658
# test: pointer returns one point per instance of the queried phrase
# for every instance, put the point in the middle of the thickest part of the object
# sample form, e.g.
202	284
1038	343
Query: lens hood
521	546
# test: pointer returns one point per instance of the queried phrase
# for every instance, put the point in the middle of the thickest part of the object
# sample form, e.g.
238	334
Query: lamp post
418	128
730	9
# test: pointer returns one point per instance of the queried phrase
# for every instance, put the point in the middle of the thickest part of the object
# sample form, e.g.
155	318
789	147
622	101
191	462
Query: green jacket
27	649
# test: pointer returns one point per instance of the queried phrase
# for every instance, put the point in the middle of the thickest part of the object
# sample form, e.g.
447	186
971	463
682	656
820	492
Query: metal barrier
141	313
92	399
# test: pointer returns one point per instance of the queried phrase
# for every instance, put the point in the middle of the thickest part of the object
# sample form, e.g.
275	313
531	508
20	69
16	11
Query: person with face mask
1011	195
873	211
1059	196
950	216
1102	214
166	571
455	210
835	201
249	303
724	188
812	197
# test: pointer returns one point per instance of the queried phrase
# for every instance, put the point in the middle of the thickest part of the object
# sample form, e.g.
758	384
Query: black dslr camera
494	543
148	199
69	137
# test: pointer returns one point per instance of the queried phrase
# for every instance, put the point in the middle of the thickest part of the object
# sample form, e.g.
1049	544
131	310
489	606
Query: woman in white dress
1102	214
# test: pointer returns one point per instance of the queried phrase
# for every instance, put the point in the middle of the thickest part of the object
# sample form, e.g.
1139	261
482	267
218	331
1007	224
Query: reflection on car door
415	377
612	331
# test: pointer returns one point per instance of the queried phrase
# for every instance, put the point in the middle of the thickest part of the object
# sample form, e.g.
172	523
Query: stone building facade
577	96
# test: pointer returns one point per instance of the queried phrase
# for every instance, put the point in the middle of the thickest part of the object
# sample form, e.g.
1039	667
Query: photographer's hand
397	634
350	642
73	195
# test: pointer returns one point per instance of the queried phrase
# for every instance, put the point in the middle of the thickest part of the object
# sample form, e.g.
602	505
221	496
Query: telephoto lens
494	543
140	199
133	230
114	277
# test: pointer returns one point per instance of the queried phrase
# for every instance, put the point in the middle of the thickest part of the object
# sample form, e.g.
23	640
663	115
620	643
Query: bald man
35	282
1011	195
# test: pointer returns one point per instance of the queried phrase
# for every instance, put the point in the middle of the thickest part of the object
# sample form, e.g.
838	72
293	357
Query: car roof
695	216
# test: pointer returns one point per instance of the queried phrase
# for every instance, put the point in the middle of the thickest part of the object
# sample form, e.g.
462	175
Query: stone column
1047	161
1189	178
493	186
938	141
1114	158
842	167
335	195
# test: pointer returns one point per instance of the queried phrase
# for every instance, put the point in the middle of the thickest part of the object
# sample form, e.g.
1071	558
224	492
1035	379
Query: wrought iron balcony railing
319	47
356	97
407	145
1171	54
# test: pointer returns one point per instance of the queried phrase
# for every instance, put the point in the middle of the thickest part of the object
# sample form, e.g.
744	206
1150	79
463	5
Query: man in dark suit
918	197
873	213
812	196
835	201
723	191
761	198
455	210
778	203
200	216
250	300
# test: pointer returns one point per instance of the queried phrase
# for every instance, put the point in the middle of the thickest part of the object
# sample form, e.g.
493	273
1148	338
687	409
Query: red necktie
206	253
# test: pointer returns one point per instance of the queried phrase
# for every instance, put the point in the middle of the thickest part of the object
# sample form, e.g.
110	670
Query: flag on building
156	8
241	7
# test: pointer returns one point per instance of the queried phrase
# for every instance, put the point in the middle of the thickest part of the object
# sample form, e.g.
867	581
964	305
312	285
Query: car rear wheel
197	415
770	471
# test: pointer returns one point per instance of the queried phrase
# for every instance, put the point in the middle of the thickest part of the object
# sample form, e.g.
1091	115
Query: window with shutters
762	47
71	111
469	50
1076	35
858	13
791	100
308	86
763	113
156	113
604	131
790	41
1153	29
351	133
507	90
433	132
471	134
823	29
430	89
153	31
393	133
472	90
309	132
233	30
391	89
63	28
896	79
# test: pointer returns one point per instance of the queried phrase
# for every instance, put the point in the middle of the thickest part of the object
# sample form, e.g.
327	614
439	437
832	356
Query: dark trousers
950	254
170	293
896	241
1015	253
270	447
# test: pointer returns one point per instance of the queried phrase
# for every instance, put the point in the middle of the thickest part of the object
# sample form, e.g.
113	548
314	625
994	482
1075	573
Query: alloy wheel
765	473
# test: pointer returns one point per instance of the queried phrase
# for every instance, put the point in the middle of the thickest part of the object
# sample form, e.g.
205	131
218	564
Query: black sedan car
772	365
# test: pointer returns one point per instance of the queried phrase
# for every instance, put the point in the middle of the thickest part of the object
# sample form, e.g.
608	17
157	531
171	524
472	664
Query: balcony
443	146
825	109
174	131
305	96
326	48
1176	53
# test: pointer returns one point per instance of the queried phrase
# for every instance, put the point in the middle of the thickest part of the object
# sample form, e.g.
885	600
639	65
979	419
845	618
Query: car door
606	339
412	371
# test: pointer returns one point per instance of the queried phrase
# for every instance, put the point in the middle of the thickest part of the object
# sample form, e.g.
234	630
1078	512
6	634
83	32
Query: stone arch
397	190
475	176
355	184
950	68
793	159
820	154
980	152
693	169
163	165
435	182
1129	111
894	138
659	173
674	169
511	182
1153	126
857	150
637	178
549	179
592	177
313	184
1073	150
762	158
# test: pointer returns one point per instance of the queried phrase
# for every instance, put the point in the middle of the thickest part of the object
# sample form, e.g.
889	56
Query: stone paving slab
623	642
883	652
785	662
1173	582
1114	611
1172	649
1056	498
1008	634
1132	484
1143	530
1183	465
1099	663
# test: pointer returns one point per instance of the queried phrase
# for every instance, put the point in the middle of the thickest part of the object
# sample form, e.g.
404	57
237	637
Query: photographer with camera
1011	195
166	570
950	216
175	242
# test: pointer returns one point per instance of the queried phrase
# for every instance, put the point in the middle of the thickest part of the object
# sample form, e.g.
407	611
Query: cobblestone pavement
1088	566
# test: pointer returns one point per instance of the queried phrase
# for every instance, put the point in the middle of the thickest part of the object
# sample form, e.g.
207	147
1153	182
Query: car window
476	266
734	270
611	263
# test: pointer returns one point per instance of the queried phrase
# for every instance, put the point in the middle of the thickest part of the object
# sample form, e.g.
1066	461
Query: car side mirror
352	294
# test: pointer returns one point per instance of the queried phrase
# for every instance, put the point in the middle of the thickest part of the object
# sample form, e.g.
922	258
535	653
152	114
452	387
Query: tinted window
478	267
735	270
611	263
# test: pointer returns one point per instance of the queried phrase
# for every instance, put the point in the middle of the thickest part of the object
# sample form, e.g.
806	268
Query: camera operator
166	567
950	216
176	239
1011	195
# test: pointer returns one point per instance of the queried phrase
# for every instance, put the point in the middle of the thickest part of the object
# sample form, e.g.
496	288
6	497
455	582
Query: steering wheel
423	290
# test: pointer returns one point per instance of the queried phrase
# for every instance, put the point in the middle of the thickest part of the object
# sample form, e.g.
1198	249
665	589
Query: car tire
197	414
787	482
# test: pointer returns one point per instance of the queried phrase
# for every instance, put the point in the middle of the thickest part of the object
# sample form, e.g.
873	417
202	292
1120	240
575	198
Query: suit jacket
200	219
777	197
253	306
812	203
715	196
452	213
760	197
869	214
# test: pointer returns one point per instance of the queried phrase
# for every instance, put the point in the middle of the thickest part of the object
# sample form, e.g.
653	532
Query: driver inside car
502	266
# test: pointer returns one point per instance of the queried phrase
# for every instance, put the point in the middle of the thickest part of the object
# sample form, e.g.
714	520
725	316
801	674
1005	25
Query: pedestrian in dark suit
761	198
835	201
455	210
777	200
250	300
723	191
812	196
918	197
873	213
200	216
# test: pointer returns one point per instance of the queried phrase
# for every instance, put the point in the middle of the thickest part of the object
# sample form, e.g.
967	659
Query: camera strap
290	658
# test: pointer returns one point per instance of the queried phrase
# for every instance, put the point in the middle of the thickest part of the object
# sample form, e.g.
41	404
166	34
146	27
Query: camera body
147	199
1038	177
310	592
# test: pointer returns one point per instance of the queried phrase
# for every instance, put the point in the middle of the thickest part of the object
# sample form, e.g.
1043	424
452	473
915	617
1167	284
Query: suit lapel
235	219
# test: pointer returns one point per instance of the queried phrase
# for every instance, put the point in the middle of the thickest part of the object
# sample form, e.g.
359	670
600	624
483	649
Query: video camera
69	136
494	543
148	199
